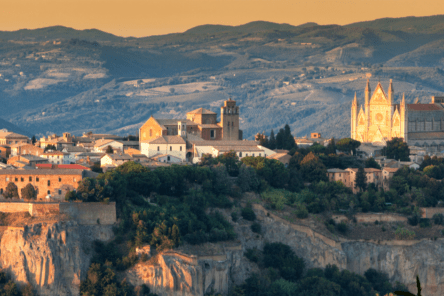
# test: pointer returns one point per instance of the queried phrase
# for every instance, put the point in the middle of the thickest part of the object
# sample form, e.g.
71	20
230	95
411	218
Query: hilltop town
189	193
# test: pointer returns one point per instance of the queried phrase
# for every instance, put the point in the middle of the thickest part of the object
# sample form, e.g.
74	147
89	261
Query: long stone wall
429	212
90	212
86	213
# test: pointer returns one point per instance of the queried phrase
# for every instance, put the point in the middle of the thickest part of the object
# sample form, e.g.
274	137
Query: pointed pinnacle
367	87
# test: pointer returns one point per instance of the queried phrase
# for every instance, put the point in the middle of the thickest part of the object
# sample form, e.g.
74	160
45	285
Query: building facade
381	119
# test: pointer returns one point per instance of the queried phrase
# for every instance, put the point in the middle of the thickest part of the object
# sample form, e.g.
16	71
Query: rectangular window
60	191
158	148
171	148
7	179
1	190
60	179
30	179
16	179
212	134
49	182
180	148
49	192
36	179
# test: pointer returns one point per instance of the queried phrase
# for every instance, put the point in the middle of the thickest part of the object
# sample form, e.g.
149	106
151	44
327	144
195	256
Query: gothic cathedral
380	119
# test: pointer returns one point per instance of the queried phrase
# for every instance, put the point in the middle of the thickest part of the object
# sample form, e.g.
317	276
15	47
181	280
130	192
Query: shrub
383	229
11	191
302	212
256	227
234	216
376	222
331	228
424	223
342	227
404	234
415	218
438	219
252	255
248	214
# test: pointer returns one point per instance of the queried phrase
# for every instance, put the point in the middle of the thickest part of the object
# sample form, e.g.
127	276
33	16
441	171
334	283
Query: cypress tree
361	179
272	141
280	139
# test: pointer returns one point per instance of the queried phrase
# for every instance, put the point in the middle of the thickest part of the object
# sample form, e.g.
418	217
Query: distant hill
426	24
13	128
58	32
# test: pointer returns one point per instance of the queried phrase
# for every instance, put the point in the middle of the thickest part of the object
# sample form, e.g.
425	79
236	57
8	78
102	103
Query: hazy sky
154	17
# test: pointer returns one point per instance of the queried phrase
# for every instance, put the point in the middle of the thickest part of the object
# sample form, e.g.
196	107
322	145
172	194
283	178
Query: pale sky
156	17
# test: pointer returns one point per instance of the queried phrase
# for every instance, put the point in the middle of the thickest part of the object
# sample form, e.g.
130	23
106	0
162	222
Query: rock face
53	257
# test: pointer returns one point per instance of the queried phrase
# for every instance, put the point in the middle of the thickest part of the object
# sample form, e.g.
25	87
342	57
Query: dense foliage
284	273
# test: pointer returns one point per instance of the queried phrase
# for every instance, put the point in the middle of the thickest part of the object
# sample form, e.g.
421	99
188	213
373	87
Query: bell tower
229	119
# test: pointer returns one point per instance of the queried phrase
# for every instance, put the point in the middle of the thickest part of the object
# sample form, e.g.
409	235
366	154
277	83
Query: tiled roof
426	135
72	167
336	171
74	149
11	135
44	165
390	170
209	126
129	143
423	107
102	142
55	153
167	140
278	156
174	121
224	143
157	156
93	154
119	156
238	148
32	158
41	172
367	170
201	111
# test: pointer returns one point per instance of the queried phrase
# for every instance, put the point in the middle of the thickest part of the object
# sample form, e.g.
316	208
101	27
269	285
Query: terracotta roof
167	140
54	153
33	158
278	156
164	122
201	111
44	165
423	107
75	149
119	157
11	135
390	170
367	170
72	167
41	172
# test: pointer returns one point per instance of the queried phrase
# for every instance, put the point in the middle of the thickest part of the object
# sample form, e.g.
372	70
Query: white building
169	145
56	157
102	145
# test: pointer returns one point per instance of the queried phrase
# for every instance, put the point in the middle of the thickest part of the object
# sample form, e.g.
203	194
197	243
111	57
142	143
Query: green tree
361	179
331	147
371	163
347	145
11	191
50	147
109	150
312	169
288	143
70	195
397	149
28	192
280	139
33	140
272	141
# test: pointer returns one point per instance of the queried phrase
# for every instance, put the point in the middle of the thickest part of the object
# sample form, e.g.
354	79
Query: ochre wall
85	213
67	182
145	130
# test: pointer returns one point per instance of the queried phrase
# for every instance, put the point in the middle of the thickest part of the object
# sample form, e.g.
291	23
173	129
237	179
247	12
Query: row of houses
380	178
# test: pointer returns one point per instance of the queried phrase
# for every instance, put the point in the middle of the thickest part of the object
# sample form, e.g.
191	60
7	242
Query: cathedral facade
380	119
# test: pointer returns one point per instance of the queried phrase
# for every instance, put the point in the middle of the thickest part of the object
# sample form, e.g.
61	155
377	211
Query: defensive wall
85	213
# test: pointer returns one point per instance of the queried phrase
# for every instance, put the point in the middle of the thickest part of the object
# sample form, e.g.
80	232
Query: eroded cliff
53	257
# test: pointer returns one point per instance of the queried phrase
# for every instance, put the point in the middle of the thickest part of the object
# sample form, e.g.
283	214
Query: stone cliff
53	257
175	274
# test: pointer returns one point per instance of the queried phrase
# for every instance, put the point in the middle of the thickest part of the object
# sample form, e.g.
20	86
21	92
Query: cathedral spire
367	87
355	101
391	90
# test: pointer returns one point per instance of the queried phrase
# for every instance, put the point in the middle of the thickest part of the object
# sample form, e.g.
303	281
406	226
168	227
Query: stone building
10	138
201	123
54	182
381	119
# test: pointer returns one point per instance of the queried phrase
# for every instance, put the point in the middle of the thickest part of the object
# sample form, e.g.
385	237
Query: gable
379	97
152	122
361	118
